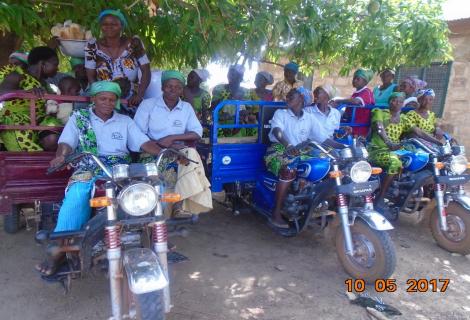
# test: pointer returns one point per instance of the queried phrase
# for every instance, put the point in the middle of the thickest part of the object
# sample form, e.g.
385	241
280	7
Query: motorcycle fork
439	194
344	216
112	240
160	246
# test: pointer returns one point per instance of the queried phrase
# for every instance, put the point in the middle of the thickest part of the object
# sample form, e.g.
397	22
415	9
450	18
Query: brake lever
68	159
182	155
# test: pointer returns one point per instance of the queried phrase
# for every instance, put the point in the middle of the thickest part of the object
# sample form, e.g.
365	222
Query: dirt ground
240	269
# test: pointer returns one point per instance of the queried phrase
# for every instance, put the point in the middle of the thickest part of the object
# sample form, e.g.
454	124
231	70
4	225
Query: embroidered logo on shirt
117	136
177	123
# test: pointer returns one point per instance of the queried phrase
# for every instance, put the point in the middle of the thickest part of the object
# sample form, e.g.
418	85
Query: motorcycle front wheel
374	253
457	237
146	306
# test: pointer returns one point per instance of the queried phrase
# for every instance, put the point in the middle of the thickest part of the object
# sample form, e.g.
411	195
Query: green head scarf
173	74
76	61
106	86
112	12
364	74
396	95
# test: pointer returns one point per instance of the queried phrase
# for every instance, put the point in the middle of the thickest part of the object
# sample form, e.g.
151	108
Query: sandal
278	225
50	265
181	214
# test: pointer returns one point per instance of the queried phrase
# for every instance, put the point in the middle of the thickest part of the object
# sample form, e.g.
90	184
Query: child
68	86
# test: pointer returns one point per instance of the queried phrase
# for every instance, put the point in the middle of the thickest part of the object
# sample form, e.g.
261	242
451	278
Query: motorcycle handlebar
74	157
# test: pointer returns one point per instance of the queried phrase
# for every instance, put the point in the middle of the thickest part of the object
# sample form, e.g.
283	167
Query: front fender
462	199
143	270
374	219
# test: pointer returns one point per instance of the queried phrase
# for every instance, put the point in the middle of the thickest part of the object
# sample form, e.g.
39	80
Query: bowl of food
72	38
73	48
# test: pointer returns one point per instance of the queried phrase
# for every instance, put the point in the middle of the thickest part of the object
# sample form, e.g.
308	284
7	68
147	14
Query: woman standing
199	98
262	80
42	64
117	56
383	92
362	97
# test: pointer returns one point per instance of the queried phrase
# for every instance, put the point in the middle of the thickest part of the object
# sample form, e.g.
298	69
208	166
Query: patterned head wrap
410	100
202	73
329	89
269	77
365	74
238	69
21	56
425	93
416	83
76	61
106	86
112	12
292	66
173	74
396	95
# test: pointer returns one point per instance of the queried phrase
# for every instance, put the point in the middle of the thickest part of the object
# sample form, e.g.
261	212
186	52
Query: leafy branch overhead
316	33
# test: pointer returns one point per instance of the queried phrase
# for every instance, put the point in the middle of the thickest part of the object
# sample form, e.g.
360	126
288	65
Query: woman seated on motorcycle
388	126
289	127
321	110
42	64
105	133
424	120
172	122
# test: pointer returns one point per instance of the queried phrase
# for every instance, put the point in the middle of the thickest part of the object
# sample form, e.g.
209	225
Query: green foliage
316	33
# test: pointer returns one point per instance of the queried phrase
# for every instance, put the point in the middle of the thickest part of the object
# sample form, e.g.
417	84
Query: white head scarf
203	74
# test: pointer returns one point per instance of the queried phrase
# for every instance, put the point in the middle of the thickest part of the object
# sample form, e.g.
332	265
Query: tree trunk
9	42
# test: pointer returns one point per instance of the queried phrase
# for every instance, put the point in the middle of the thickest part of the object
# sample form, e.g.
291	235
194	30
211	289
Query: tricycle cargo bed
23	179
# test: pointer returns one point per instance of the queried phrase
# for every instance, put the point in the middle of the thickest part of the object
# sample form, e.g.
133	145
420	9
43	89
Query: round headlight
138	199
361	172
458	164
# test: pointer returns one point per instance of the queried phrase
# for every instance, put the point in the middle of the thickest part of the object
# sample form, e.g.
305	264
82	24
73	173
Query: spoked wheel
457	237
374	253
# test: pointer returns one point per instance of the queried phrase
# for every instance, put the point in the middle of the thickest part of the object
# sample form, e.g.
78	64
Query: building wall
456	116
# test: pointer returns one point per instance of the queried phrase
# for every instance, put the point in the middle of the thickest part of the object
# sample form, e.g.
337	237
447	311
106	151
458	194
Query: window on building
437	76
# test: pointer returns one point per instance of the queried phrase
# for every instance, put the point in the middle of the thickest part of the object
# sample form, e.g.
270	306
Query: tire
11	222
458	221
380	246
150	306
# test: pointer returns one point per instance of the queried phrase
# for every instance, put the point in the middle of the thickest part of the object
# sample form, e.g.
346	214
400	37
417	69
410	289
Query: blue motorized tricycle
432	182
332	188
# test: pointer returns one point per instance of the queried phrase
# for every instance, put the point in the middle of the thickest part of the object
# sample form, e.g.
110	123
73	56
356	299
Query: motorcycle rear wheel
374	256
457	238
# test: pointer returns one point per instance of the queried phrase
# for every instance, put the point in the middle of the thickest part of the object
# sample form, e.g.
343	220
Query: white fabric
295	129
157	121
114	136
193	185
328	122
